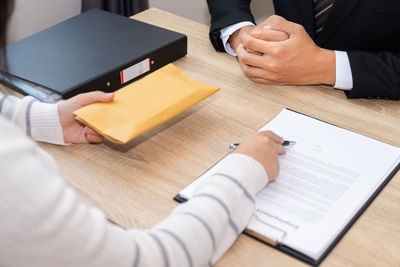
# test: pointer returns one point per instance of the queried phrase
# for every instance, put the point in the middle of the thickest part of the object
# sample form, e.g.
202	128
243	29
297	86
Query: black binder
96	50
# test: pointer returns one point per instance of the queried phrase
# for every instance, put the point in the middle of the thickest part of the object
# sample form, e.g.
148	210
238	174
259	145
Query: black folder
95	50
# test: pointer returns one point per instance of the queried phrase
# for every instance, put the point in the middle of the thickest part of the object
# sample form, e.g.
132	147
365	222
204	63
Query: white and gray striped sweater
44	224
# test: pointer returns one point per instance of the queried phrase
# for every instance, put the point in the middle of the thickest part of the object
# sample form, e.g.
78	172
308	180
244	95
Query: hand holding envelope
145	104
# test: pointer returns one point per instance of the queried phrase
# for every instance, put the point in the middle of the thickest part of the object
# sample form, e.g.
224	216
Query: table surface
134	183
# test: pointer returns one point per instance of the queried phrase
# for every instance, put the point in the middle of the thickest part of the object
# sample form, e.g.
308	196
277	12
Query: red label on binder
135	71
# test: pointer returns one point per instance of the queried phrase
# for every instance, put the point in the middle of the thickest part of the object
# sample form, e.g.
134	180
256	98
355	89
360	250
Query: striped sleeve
200	231
44	223
38	120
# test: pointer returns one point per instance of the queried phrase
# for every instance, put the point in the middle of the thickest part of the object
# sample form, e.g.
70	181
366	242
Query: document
145	104
325	180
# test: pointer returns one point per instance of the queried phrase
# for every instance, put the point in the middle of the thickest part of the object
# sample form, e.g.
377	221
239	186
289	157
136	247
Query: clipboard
276	242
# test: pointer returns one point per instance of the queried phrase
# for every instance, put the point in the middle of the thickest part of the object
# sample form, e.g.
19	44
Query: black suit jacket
368	30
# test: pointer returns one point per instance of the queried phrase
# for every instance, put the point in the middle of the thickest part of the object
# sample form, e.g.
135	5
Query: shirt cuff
227	32
344	78
45	123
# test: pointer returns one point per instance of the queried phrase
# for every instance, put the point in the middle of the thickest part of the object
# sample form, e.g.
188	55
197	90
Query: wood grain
134	183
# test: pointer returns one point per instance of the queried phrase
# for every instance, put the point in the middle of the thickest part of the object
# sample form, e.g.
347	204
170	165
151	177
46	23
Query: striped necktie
321	12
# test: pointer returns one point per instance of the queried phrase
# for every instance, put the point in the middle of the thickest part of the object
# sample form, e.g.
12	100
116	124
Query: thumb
278	23
93	97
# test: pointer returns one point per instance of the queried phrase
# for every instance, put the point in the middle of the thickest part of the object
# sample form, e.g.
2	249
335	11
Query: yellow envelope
145	104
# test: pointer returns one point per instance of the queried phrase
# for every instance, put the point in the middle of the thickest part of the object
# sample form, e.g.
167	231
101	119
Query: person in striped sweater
44	223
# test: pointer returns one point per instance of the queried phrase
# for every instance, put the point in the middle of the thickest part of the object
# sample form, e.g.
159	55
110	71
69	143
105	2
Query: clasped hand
281	52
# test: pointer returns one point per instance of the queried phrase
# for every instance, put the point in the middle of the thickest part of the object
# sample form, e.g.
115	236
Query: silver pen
285	143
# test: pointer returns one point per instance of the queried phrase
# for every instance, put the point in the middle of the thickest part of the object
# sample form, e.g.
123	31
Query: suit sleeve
224	13
375	74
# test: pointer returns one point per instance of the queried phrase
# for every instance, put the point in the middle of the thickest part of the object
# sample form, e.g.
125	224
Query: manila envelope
144	104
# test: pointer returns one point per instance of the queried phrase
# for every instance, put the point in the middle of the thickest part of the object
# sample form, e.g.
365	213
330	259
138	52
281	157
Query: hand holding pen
264	147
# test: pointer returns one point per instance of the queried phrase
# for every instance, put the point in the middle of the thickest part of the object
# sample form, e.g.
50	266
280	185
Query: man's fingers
270	20
267	60
259	45
280	24
247	58
261	80
269	35
260	68
254	72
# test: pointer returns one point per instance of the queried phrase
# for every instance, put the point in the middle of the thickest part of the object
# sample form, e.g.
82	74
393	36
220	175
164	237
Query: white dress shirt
344	78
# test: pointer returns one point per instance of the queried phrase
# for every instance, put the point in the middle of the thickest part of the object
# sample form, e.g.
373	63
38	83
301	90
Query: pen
285	143
288	143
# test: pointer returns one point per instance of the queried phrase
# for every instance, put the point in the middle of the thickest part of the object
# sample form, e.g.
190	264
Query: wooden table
134	183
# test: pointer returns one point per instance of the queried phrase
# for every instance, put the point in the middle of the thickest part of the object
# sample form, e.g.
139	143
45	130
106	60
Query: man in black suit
353	45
